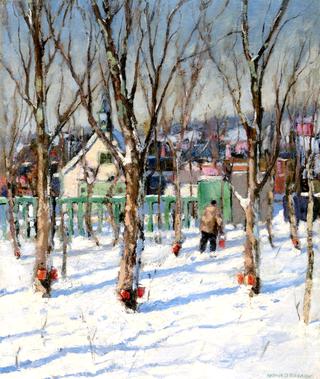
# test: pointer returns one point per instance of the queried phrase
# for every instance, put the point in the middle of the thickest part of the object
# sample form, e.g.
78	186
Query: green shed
215	189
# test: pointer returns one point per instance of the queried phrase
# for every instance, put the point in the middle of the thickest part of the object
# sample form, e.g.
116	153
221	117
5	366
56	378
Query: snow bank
193	322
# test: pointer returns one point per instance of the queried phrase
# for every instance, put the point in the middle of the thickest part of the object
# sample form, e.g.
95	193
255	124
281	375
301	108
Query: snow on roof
236	134
116	135
191	134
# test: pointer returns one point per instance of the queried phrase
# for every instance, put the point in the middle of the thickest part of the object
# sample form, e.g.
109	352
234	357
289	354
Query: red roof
305	129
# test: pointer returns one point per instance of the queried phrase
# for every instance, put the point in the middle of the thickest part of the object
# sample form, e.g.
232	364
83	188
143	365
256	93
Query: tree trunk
222	197
12	226
292	217
159	171
53	218
269	217
88	209
43	214
193	205
250	243
309	273
298	171
251	252
191	180
42	238
114	226
128	279
178	206
112	221
63	231
64	243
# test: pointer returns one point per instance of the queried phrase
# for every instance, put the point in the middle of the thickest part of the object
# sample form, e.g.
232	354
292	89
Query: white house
94	155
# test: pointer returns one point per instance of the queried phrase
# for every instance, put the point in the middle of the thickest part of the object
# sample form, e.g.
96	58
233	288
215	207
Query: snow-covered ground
194	321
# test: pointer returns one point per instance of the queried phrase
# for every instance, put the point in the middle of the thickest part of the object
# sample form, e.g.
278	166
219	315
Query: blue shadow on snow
82	289
179	300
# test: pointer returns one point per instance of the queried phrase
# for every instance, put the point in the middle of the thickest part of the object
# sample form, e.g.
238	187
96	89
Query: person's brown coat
211	220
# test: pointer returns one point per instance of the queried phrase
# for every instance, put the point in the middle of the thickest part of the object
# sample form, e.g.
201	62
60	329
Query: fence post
100	217
3	205
150	216
116	212
166	213
70	217
186	221
80	218
24	218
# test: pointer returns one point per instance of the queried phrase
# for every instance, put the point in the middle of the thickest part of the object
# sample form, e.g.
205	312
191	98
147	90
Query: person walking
210	226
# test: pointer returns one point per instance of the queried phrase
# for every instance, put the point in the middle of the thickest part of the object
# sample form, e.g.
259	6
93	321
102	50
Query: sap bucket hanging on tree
176	248
140	291
53	274
42	273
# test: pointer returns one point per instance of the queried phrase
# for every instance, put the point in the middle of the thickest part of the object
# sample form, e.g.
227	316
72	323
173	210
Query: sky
213	98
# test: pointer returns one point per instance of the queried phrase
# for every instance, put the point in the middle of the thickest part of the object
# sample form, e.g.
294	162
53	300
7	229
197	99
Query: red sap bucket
250	280
41	273
222	243
295	242
125	295
176	248
240	278
53	274
140	291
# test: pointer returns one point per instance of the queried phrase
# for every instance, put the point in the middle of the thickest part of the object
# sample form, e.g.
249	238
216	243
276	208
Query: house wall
239	181
71	182
74	176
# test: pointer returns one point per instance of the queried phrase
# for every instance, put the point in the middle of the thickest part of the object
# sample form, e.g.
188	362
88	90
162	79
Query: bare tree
16	118
139	35
36	56
9	138
188	81
90	176
310	159
293	182
253	67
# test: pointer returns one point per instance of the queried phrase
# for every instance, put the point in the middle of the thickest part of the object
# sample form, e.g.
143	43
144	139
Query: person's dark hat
213	202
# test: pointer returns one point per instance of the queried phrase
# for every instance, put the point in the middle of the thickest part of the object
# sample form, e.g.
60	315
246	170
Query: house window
105	158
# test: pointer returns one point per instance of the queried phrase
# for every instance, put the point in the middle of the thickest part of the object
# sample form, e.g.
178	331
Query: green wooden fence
25	209
74	209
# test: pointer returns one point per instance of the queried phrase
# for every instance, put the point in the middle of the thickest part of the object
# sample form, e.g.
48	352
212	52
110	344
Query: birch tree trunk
292	217
88	215
111	218
114	226
63	231
310	252
7	159
64	243
159	172
88	210
43	227
270	200
127	274
178	207
291	184
252	251
12	227
53	218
